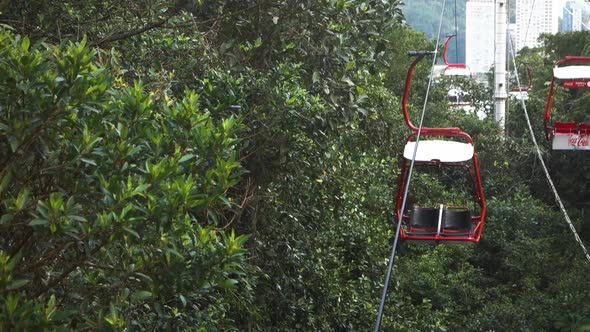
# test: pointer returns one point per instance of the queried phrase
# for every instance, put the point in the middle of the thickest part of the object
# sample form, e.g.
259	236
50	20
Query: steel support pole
500	94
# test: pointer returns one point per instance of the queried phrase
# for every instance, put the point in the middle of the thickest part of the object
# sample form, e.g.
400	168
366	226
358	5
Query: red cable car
453	69
441	148
455	95
522	93
574	73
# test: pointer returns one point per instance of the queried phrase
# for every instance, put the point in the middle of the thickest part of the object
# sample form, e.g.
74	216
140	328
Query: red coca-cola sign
571	84
578	140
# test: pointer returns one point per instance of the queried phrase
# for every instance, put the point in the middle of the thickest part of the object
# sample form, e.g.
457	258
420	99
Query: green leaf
21	200
257	42
144	276
50	310
348	81
38	222
225	201
315	77
182	299
5	181
25	44
78	218
17	284
142	188
88	161
141	295
60	315
175	253
186	157
13	143
240	240
228	283
290	46
14	260
6	218
132	232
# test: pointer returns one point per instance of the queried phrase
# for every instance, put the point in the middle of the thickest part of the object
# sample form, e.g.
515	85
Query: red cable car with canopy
522	93
455	95
453	69
449	155
573	72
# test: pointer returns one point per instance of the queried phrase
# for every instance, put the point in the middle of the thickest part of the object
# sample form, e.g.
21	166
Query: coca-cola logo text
572	84
578	140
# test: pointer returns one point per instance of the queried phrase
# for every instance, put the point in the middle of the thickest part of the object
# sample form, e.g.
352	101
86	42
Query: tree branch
131	33
161	23
54	282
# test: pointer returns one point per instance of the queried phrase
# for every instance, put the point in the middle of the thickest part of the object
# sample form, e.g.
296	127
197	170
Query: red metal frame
475	232
550	127
530	82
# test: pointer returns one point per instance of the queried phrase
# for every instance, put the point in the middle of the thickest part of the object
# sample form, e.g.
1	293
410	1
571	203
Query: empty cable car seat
456	220
423	219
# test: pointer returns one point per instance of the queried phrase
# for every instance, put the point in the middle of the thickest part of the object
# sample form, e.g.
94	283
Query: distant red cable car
455	95
522	93
443	148
453	69
568	135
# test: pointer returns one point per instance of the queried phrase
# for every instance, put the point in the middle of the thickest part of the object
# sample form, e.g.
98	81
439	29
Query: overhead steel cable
526	35
457	34
399	222
540	156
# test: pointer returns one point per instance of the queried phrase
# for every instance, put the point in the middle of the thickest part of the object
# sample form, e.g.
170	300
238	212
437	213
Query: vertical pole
500	94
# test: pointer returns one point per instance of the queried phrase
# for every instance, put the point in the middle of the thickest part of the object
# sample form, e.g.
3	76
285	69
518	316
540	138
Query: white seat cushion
571	72
445	151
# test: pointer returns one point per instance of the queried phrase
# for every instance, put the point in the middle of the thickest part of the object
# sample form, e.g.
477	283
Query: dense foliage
230	165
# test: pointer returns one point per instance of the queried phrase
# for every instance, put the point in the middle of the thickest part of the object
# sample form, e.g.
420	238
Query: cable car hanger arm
419	55
547	115
445	49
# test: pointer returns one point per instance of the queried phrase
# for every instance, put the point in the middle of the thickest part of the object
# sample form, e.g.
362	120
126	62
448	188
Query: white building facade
534	17
479	35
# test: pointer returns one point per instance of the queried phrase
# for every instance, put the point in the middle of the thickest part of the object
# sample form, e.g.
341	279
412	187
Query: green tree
113	203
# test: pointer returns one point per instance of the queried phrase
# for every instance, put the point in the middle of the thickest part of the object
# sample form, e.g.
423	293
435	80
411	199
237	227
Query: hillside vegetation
231	165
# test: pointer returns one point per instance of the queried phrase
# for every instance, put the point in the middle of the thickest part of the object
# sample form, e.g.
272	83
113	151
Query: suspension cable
540	156
399	222
526	35
457	36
